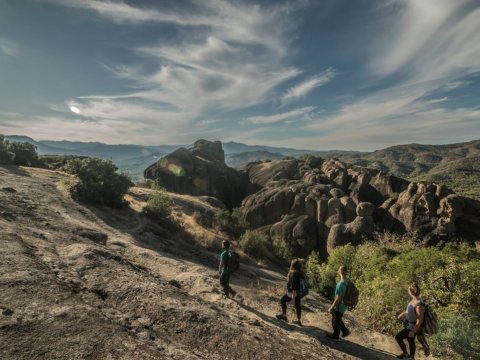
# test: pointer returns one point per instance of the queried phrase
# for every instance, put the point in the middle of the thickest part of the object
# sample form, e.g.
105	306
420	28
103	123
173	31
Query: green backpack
303	291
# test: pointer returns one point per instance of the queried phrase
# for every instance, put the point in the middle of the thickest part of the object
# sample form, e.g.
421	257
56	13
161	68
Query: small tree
159	206
97	182
5	154
24	153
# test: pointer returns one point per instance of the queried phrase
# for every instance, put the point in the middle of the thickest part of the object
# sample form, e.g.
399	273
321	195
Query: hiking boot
426	351
403	356
297	322
331	337
282	317
345	334
234	293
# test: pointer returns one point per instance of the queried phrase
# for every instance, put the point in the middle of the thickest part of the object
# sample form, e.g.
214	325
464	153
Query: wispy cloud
301	90
8	47
232	56
293	115
431	39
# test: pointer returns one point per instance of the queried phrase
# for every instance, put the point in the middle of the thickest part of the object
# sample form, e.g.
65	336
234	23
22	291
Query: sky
309	74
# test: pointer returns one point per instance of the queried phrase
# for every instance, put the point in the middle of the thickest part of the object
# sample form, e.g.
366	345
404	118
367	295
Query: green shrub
458	335
281	250
149	184
159	206
58	162
255	244
449	279
18	153
231	222
24	154
97	182
5	155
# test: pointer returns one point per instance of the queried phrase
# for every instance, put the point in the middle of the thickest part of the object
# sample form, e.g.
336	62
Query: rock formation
200	170
317	205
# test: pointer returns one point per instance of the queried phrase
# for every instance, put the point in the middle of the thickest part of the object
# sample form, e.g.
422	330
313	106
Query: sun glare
74	109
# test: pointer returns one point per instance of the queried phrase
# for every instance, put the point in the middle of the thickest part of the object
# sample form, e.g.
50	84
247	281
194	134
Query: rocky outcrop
200	170
353	232
322	204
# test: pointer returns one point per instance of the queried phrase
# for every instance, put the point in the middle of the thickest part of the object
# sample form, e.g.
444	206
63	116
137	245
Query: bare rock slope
83	282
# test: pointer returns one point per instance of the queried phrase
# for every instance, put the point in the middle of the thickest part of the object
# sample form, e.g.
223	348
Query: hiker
294	293
413	320
338	307
224	271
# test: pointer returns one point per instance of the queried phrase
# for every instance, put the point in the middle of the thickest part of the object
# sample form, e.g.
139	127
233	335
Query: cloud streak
301	90
293	115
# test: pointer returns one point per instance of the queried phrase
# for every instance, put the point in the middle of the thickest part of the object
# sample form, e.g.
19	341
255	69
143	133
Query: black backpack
351	295
430	323
233	261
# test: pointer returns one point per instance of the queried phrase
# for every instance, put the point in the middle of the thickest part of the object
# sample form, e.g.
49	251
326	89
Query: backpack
303	291
430	323
351	295
233	261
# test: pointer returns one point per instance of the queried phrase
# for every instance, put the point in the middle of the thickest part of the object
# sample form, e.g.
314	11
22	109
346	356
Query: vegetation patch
449	279
97	182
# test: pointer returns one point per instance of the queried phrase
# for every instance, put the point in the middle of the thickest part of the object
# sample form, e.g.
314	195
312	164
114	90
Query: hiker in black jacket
294	277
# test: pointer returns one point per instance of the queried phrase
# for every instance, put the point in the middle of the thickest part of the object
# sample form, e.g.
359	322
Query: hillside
455	165
82	282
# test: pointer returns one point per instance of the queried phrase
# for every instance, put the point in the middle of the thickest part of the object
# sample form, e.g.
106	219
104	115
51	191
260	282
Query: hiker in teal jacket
224	271
338	307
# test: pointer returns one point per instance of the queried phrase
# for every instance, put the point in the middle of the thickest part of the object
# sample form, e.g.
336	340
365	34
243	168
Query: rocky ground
80	282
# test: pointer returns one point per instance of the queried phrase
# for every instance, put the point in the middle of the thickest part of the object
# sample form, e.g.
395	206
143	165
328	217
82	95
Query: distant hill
240	161
455	165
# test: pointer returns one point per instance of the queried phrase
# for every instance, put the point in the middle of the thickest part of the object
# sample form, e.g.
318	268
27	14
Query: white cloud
301	90
293	115
432	39
232	56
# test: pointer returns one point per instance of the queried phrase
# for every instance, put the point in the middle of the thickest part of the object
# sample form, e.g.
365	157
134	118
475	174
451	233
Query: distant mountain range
455	165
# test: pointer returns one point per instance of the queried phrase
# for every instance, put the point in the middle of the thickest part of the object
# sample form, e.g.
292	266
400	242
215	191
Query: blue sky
325	74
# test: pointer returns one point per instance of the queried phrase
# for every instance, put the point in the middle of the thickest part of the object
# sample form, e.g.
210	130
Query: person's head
414	290
226	244
342	271
296	265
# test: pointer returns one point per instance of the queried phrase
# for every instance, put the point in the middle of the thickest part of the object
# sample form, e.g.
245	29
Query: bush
160	208
24	154
231	222
255	243
97	182
58	162
281	250
449	279
458	335
5	155
18	153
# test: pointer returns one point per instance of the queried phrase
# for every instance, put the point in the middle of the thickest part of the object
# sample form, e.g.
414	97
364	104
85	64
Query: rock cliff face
200	170
320	204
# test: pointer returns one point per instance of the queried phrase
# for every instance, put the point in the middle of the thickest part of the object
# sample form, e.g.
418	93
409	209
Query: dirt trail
83	282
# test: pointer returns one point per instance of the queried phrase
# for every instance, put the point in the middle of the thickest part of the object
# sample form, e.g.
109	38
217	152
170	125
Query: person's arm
420	310
220	266
402	315
338	299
